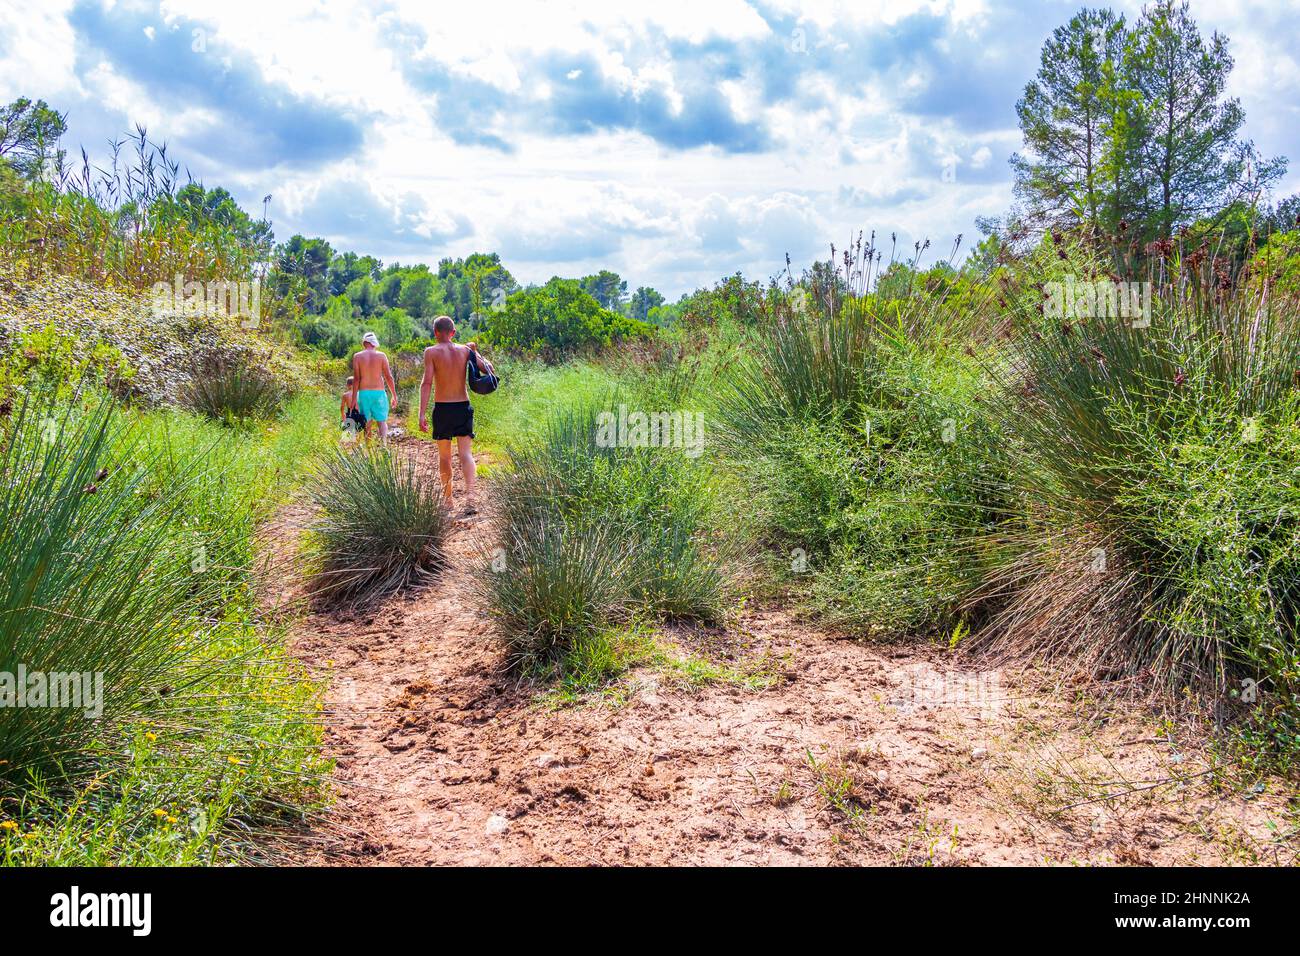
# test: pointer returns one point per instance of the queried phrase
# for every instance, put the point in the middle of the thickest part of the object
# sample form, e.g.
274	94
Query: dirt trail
853	753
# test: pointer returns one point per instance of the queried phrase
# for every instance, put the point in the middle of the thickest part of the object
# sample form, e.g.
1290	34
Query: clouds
350	213
583	99
676	103
675	142
226	106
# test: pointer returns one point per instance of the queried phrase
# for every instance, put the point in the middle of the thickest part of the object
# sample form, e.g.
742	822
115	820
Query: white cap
370	339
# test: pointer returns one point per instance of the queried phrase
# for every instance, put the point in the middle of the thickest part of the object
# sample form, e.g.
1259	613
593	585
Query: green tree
216	207
347	267
29	136
607	288
395	327
418	294
1285	216
1132	127
302	268
389	290
1193	164
363	295
643	300
1074	116
481	274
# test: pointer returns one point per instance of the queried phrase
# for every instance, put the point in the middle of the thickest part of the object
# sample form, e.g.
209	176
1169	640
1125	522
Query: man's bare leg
465	451
383	432
444	470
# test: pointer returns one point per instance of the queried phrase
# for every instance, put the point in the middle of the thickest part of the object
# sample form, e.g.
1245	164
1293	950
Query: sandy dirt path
852	753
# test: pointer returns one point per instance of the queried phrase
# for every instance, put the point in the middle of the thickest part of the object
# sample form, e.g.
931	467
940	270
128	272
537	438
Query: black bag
480	382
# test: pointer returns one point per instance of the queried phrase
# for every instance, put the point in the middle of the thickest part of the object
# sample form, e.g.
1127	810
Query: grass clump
591	534
1158	467
381	523
95	578
209	732
233	392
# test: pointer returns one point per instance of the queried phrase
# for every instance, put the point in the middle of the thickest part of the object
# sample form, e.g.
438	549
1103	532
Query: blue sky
674	142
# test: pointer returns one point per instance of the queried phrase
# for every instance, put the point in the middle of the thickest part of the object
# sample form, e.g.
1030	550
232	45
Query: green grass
597	663
591	536
210	735
380	526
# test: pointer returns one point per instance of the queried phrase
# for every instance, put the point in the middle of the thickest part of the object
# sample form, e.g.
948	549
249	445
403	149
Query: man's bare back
447	361
368	367
453	416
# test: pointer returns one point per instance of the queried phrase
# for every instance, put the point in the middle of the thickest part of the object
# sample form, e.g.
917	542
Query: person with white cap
372	383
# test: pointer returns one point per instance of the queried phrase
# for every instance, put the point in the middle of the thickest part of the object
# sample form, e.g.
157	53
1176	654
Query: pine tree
1069	115
1192	164
1132	127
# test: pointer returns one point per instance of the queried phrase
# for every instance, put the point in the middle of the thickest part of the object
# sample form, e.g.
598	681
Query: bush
1158	466
591	535
866	460
558	319
381	523
96	579
233	392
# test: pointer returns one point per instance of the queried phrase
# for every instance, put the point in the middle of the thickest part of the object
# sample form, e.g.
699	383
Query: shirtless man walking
453	416
372	382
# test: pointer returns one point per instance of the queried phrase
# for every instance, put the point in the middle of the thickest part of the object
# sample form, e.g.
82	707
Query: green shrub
591	534
55	361
558	319
233	392
1158	466
867	461
381	523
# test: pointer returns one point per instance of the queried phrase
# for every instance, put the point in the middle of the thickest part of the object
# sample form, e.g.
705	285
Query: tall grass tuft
591	535
95	577
233	392
381	523
555	583
1158	468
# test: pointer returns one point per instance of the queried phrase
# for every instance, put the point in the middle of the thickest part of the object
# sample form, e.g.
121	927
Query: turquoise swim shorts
373	403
